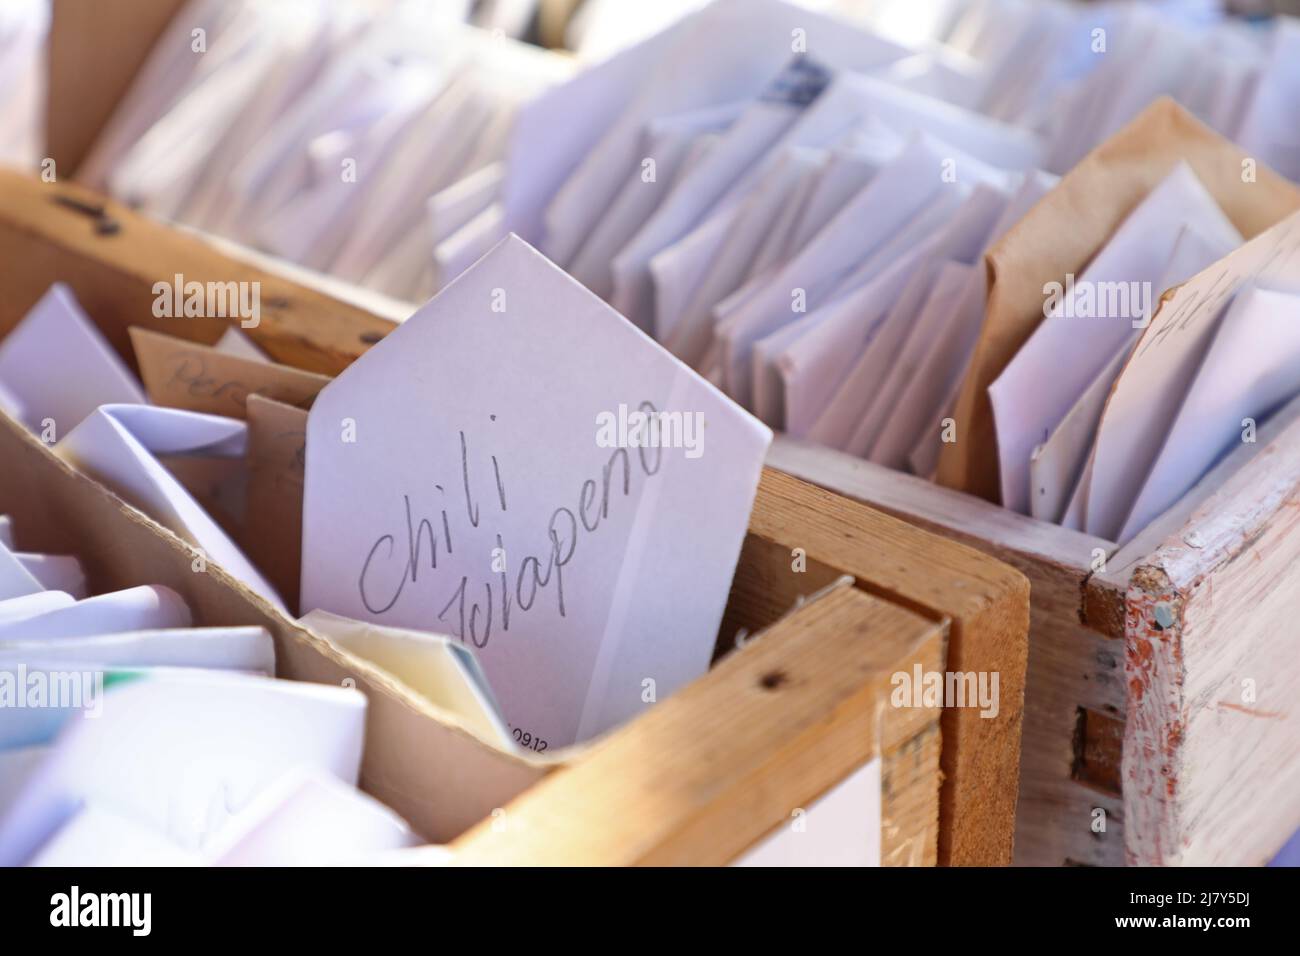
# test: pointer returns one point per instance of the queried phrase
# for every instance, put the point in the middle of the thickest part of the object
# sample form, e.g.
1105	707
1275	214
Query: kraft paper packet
276	457
178	373
1065	230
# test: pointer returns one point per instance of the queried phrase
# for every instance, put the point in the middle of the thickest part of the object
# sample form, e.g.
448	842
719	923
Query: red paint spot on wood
1252	712
1174	737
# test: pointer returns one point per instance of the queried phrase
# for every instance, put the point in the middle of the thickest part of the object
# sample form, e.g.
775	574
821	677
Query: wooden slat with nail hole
704	775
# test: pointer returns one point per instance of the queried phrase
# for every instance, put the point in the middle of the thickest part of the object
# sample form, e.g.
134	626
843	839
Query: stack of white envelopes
130	737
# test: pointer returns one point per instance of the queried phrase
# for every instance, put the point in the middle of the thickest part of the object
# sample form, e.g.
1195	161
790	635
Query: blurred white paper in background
578	143
23	30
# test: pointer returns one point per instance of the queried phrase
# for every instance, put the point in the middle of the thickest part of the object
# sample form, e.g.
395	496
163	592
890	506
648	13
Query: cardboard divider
95	51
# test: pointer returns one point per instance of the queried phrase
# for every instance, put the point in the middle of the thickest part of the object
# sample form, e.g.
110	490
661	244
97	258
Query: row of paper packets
393	151
805	223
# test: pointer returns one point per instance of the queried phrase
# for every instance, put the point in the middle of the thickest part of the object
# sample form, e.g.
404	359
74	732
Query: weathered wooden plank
768	731
1213	666
54	232
987	603
1069	665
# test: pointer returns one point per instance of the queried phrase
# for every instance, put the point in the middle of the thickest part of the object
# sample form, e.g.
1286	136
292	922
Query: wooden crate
1133	696
1162	678
771	728
1125	713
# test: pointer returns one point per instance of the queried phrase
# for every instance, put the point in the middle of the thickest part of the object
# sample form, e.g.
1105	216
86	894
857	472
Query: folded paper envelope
119	445
1144	405
472	475
139	753
16	579
58	572
247	649
201	378
29	606
56	367
433	665
1062	233
144	607
571	147
310	818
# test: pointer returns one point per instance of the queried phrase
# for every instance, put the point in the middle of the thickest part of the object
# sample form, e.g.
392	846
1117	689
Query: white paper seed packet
119	446
178	750
518	466
56	367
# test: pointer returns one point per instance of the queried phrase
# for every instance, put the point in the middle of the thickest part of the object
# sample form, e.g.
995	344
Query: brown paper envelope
1063	232
198	378
277	441
218	484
